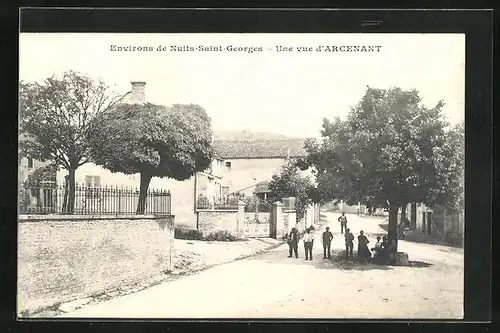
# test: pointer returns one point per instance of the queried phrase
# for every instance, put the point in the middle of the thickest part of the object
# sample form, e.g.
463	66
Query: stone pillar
166	228
172	237
277	220
240	220
341	206
292	221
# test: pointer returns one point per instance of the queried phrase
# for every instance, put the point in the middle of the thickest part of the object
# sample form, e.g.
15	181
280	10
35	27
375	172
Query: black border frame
476	24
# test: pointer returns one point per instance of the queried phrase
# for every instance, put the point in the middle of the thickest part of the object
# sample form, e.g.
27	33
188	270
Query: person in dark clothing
343	223
385	242
382	256
293	243
363	251
327	241
349	239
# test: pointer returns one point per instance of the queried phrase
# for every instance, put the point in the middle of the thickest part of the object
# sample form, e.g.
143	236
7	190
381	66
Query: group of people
293	243
378	254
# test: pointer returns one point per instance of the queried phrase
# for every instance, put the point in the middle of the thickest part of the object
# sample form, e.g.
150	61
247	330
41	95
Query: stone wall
246	224
213	220
62	258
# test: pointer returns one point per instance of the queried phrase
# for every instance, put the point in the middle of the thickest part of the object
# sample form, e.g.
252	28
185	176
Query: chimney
138	95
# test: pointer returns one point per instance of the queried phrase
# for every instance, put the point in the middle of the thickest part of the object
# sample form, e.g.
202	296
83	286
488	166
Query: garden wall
214	220
66	257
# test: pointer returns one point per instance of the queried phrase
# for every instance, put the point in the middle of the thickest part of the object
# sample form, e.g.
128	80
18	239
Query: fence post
240	220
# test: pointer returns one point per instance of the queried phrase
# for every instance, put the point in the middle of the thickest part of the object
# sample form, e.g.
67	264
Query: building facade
248	163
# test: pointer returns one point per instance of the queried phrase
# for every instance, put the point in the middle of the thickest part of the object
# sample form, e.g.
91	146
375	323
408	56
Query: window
93	181
30	163
228	164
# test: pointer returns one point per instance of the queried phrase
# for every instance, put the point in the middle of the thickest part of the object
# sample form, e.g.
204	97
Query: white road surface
270	285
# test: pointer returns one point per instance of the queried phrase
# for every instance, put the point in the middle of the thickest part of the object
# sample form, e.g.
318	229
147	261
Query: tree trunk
403	214
143	192
413	216
393	224
65	198
70	204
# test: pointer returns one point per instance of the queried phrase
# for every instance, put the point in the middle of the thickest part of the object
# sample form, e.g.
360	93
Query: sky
286	92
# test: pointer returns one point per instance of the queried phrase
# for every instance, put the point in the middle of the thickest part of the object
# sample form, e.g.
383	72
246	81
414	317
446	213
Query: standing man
293	243
308	244
343	222
327	241
349	239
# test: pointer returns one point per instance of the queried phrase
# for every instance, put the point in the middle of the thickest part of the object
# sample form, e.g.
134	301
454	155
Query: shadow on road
419	264
338	262
415	236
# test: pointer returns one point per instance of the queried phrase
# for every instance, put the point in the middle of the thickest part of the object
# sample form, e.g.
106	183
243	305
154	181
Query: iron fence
107	200
254	205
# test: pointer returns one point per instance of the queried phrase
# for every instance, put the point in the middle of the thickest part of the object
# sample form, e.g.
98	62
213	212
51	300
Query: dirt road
270	285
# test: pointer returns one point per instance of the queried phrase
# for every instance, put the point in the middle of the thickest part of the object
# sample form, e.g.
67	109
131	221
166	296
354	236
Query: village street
270	285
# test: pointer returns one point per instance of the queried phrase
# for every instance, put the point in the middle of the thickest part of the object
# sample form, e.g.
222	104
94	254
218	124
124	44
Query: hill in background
246	135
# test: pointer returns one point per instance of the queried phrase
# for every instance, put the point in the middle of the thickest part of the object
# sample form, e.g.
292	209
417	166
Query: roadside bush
188	234
220	236
194	234
454	238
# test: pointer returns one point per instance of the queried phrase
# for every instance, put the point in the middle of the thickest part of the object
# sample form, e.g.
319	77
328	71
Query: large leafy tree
290	183
154	141
388	152
57	118
451	159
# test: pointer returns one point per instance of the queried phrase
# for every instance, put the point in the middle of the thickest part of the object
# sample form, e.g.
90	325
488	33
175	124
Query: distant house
249	163
262	190
28	165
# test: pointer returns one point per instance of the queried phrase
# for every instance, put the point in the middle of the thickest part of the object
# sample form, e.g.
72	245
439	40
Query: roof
260	148
262	187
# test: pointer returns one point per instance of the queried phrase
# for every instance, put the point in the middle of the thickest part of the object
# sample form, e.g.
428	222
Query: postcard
241	176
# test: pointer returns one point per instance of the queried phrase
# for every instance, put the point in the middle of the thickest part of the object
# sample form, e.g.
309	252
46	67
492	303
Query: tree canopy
451	159
57	117
290	183
155	141
391	150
